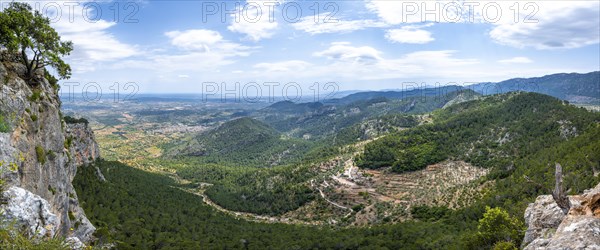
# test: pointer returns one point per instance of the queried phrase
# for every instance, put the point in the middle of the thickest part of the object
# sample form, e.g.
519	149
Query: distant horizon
419	85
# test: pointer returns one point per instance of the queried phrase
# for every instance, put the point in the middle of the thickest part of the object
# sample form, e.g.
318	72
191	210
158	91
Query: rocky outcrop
36	155
550	228
31	212
82	142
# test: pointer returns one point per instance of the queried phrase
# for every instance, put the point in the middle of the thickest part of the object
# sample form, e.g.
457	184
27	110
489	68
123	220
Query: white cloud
373	65
518	59
284	66
308	25
344	51
93	42
256	25
178	63
560	25
409	34
397	12
194	39
201	50
538	24
209	41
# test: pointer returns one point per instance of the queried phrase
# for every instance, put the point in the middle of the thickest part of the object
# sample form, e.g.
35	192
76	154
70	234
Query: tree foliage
492	132
498	226
141	210
29	34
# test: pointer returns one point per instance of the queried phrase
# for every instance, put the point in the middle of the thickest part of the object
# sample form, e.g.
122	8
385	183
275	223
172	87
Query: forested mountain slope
141	210
573	87
242	142
313	121
401	94
492	132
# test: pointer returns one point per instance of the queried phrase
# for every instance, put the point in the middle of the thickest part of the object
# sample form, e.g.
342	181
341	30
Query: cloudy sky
174	46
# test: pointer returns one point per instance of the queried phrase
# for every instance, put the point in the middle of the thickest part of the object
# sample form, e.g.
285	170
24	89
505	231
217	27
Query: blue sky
366	45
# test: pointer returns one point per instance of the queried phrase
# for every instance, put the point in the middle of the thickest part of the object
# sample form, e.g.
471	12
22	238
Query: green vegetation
261	191
231	153
23	30
423	93
504	245
68	142
573	87
71	120
141	210
515	135
11	238
4	127
41	154
492	132
498	226
35	96
242	142
322	121
426	213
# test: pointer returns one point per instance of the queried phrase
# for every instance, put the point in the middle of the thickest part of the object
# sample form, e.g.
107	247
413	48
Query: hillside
242	142
490	132
418	92
140	210
293	108
573	87
319	122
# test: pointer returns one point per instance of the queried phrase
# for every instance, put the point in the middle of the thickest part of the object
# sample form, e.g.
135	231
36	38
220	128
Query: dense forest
261	191
241	142
491	132
140	210
575	87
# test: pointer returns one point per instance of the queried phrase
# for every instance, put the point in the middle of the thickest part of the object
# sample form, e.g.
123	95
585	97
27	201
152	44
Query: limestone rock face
31	212
33	152
543	218
84	149
549	228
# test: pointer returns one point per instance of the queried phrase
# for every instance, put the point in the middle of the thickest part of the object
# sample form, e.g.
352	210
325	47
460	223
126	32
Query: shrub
358	207
504	245
35	96
34	118
68	142
498	226
426	213
52	80
4	128
71	120
41	154
12	238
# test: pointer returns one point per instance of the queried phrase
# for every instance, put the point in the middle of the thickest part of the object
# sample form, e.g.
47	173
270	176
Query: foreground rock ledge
549	228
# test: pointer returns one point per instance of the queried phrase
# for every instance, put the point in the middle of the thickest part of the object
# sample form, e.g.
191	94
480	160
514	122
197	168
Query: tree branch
30	68
559	194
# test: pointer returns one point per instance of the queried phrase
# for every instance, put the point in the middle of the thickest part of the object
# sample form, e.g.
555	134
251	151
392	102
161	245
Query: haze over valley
352	125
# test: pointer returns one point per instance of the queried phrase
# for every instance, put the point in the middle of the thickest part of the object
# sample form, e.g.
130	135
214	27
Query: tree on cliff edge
29	33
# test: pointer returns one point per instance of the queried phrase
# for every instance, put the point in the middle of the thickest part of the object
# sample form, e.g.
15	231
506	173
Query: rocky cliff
39	155
550	228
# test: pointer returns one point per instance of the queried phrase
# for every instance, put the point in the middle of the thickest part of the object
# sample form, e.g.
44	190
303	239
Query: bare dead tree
559	193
